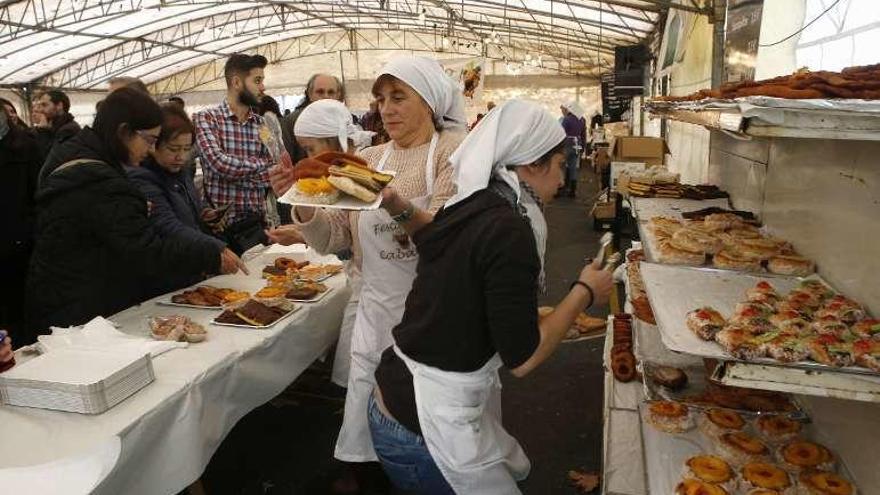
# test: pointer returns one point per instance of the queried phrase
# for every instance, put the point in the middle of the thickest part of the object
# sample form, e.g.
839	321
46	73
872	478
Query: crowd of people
109	215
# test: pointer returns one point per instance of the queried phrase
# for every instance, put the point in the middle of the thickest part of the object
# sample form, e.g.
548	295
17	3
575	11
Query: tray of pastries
250	313
337	180
284	268
295	290
204	296
726	241
720	451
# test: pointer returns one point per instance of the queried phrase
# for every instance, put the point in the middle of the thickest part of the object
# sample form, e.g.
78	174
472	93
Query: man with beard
234	160
59	125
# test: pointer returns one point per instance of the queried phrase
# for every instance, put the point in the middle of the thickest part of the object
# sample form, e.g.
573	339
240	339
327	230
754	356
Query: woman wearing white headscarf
435	414
326	125
423	112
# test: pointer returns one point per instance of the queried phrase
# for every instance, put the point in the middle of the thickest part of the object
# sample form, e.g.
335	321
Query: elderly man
319	87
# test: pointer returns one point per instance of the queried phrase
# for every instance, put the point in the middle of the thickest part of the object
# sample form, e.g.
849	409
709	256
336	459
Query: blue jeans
404	455
572	160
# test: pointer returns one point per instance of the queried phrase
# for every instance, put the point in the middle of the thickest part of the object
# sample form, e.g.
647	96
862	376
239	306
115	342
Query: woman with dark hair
177	209
20	161
96	248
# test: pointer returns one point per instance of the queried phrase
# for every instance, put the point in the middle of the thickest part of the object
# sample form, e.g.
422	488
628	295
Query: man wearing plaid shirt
234	160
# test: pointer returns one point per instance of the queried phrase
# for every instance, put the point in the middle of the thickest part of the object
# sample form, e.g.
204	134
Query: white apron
460	417
388	267
342	358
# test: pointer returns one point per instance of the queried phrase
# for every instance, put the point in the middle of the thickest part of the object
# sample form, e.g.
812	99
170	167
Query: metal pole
719	17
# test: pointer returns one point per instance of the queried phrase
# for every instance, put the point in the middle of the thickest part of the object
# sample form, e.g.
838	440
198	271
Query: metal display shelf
776	121
799	381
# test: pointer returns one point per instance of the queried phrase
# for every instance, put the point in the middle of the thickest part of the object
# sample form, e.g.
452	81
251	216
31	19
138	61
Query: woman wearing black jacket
96	248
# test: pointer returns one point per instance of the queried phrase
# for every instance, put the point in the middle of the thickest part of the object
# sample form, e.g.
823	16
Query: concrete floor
556	412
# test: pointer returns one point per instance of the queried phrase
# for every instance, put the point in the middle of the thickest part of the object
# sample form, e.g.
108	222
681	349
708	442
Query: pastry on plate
271	292
818	288
669	377
740	448
670	252
824	483
787	264
696	240
709	468
715	422
867	329
805	455
806	298
844	308
866	352
760	248
790	321
738	341
692	486
705	322
665	225
777	428
830	325
784	347
766	476
722	221
729	259
669	416
830	350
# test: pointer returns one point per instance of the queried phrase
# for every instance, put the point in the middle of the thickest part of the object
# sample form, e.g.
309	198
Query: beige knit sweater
331	231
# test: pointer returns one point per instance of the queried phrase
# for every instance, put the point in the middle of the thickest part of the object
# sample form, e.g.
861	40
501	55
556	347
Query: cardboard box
649	150
620	172
604	210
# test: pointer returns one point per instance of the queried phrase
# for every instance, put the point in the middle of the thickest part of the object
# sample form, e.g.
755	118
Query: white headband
427	78
330	118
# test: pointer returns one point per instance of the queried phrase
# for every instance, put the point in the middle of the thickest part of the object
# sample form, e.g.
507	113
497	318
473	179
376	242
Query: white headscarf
514	134
575	108
328	119
427	77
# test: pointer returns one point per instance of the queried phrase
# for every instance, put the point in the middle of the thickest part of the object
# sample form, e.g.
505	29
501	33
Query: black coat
176	211
63	128
96	249
20	163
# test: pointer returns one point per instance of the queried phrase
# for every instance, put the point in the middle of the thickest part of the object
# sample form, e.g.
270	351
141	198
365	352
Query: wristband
589	290
406	215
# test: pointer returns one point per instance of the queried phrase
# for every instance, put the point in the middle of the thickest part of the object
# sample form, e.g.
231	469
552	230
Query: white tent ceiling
82	43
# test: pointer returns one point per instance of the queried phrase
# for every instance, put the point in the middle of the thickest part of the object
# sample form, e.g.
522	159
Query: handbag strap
73	163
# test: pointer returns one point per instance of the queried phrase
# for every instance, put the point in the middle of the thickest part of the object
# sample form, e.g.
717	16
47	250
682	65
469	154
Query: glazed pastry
716	422
669	416
669	252
824	483
759	248
705	322
696	240
740	448
623	366
766	476
709	468
778	428
697	487
665	225
802	454
791	265
669	377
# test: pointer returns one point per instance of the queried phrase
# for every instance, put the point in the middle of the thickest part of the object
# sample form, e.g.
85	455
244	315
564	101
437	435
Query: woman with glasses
97	251
163	177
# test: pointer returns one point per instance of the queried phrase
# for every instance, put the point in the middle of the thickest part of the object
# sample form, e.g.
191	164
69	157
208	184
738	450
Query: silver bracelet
406	215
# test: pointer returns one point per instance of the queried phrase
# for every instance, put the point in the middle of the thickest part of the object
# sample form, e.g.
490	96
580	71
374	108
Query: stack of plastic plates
77	380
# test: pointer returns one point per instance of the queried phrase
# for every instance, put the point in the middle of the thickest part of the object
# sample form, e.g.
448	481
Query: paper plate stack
79	380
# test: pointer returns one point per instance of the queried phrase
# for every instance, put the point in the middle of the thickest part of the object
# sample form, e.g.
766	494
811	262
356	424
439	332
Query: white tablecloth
170	429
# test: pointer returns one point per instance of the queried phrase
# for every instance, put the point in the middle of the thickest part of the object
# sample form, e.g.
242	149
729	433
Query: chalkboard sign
741	39
613	105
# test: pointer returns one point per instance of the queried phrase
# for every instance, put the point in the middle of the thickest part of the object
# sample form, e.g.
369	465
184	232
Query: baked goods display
777	428
741	399
252	313
176	328
692	486
725	240
799	455
715	422
208	296
283	270
862	82
709	469
305	290
740	448
824	483
765	476
321	180
811	322
623	361
638	296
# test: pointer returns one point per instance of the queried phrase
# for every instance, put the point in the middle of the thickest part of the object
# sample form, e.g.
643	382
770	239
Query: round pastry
695	240
824	483
778	428
671	253
623	366
722	221
759	248
791	265
763	475
740	448
696	487
708	468
317	191
716	422
669	377
802	454
728	259
669	416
